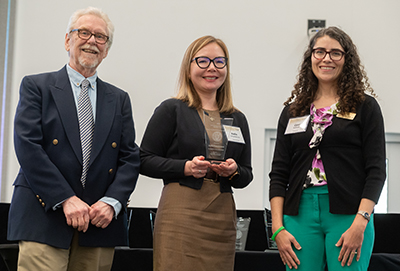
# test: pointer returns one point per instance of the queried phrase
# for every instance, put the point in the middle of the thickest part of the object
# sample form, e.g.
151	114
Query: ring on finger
200	171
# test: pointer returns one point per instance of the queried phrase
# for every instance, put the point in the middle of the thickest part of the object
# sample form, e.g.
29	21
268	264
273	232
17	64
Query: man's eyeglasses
86	34
204	62
335	55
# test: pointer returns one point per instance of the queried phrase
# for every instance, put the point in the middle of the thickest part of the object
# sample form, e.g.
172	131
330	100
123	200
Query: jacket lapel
105	113
65	103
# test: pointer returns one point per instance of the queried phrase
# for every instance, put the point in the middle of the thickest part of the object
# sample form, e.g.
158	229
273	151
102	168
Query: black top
175	134
353	154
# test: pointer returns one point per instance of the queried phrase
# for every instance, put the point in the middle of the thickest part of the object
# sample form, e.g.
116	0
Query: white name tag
297	125
234	134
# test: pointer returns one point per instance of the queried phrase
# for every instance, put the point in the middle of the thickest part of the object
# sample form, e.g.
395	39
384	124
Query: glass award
216	139
242	229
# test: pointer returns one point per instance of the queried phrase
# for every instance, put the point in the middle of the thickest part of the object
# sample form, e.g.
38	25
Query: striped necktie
86	127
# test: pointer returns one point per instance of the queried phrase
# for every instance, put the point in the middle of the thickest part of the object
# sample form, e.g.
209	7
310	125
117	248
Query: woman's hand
197	167
284	241
225	169
351	241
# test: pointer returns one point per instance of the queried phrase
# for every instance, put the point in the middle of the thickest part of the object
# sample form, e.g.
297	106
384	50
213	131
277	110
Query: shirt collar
77	78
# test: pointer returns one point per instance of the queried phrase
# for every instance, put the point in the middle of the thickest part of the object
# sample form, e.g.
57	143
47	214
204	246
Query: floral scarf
320	120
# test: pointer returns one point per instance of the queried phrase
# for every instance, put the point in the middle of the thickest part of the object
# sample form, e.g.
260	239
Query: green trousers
317	232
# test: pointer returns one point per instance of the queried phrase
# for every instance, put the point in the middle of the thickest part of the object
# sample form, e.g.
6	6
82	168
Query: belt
211	176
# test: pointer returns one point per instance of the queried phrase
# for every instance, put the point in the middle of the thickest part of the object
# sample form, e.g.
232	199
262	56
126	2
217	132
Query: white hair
96	12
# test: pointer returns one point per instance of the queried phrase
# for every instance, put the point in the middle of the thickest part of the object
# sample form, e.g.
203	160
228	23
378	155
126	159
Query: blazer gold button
110	171
43	204
40	200
37	196
114	145
55	141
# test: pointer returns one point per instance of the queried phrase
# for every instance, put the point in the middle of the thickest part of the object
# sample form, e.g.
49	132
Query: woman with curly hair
329	166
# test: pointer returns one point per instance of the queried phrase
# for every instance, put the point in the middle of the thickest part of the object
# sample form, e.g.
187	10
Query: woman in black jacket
328	168
196	217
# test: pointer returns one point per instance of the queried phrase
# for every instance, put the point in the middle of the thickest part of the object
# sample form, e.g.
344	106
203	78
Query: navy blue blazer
47	145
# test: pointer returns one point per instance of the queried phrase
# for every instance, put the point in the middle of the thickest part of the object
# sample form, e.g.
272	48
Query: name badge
234	134
348	116
297	125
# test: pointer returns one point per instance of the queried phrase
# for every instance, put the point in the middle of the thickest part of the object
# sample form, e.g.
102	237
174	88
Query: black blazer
353	154
47	145
175	134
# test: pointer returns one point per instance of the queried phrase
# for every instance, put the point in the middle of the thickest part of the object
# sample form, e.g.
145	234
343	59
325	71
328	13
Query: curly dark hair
351	84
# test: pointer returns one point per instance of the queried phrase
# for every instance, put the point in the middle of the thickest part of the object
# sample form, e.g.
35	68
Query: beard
88	63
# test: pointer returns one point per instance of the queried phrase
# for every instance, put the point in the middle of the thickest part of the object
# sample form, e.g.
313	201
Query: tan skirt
194	229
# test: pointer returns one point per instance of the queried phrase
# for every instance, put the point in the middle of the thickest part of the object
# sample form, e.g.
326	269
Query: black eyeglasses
335	54
86	35
204	62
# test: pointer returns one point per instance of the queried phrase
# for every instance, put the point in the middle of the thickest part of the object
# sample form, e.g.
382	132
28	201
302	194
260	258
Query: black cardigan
176	134
353	154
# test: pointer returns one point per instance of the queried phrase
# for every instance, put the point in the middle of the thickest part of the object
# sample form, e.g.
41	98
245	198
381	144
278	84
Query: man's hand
101	214
76	212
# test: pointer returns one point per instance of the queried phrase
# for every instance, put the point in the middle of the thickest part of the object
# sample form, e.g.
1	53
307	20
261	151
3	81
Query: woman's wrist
186	170
277	232
234	174
275	228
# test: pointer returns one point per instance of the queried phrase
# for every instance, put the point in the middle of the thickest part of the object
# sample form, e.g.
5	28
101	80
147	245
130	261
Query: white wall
266	40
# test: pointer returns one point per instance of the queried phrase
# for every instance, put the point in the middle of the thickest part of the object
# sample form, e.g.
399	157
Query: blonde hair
186	90
96	12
